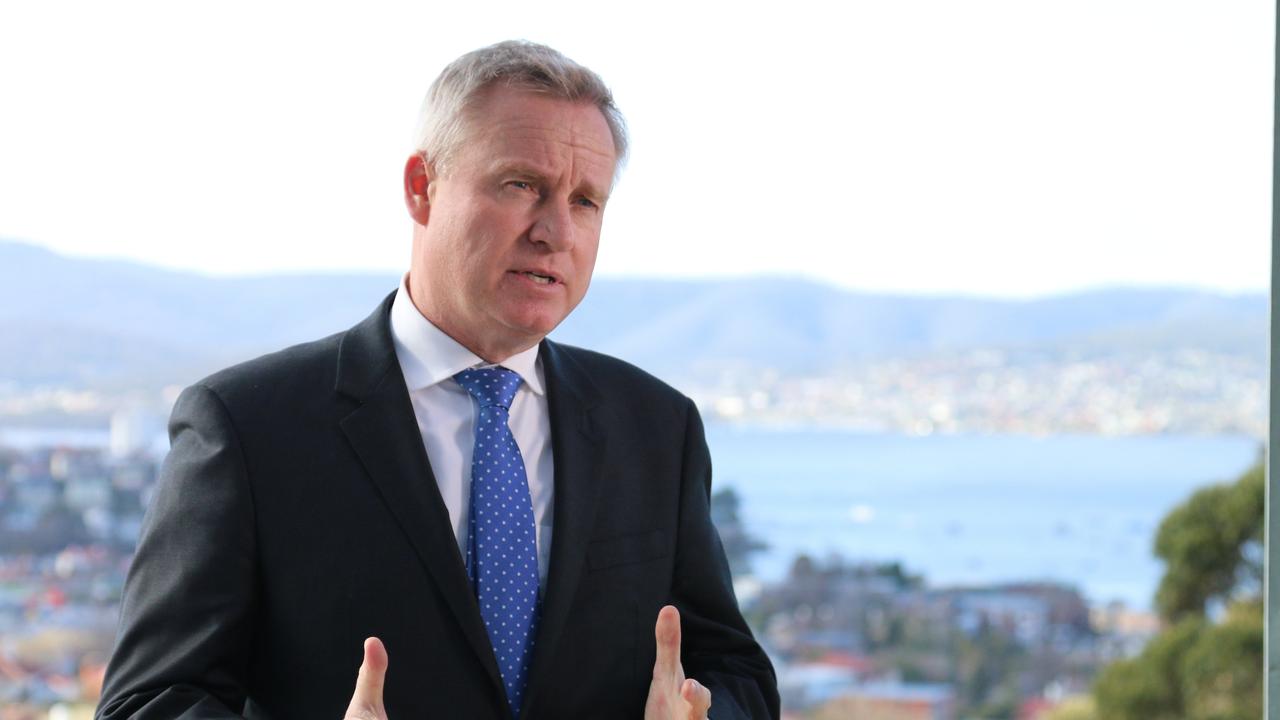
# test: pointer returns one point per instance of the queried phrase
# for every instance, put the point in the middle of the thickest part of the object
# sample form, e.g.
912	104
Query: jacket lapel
578	444
383	431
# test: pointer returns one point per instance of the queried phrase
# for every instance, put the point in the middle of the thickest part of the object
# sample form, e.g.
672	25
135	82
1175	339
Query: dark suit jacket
297	514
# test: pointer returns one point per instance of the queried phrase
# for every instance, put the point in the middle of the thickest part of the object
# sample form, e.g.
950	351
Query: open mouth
540	279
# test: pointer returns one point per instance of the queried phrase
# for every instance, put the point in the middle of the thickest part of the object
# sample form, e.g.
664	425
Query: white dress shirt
446	415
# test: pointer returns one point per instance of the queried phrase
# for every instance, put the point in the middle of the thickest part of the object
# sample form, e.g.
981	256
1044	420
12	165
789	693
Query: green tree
1149	687
1201	667
1222	672
1211	545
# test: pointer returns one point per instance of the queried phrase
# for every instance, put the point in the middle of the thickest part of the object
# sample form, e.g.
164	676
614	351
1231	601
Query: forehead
508	125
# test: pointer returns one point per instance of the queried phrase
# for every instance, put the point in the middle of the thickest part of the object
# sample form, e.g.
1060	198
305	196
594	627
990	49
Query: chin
533	324
537	331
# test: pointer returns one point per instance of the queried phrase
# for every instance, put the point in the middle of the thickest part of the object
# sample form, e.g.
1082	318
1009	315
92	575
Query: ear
416	182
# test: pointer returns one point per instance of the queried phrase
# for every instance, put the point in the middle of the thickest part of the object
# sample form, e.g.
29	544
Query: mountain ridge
75	321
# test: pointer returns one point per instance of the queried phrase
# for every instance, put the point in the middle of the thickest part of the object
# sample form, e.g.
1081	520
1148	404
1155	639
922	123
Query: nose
553	226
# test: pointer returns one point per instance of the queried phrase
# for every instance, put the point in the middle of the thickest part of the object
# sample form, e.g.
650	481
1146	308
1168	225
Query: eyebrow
521	167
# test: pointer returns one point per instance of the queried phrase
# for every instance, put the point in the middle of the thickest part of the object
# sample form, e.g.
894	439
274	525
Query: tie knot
490	386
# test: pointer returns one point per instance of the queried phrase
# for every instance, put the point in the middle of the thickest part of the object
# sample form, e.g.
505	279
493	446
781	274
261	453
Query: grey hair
518	64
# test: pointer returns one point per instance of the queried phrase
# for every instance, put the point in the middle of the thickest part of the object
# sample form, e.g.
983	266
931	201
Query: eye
587	203
520	184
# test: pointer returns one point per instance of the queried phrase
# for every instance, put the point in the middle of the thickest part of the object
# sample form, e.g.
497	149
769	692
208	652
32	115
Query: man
511	527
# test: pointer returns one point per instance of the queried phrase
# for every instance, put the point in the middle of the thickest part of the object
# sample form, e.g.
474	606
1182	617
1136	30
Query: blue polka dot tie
502	551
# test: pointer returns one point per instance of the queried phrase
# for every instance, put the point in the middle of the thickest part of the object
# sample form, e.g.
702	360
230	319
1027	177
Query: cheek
481	265
583	266
586	255
471	245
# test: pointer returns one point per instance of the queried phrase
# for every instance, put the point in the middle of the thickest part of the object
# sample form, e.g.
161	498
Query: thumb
366	701
667	634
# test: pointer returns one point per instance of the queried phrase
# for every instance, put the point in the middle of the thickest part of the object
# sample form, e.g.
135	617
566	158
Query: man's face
508	234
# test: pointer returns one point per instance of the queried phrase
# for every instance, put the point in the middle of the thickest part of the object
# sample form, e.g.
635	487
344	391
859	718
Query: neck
491	352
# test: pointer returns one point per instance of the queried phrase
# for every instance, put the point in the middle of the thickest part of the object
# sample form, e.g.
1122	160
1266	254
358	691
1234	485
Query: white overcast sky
1011	148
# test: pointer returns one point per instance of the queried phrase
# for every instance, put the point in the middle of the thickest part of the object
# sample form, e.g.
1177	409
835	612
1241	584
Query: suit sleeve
186	616
717	648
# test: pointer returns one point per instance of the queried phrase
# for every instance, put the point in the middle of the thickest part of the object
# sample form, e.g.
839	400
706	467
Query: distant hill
112	323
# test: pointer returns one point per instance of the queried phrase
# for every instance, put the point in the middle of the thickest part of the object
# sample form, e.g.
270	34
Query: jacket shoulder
304	369
311	369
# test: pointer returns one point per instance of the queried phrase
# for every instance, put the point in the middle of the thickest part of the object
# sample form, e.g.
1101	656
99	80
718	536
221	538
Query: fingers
694	701
366	701
698	697
667	633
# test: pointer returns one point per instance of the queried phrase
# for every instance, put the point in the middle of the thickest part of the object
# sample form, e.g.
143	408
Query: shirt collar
428	355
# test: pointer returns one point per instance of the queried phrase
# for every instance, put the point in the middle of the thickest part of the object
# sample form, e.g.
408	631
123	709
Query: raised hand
366	702
672	696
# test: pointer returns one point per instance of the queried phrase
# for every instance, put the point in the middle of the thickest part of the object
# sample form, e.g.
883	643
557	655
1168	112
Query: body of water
959	509
967	509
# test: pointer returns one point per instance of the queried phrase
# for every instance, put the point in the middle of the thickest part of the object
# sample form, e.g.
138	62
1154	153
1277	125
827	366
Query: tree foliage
1200	668
1211	545
1149	687
1222	673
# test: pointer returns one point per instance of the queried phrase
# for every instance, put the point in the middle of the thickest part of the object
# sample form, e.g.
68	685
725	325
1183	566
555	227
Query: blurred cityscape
993	391
849	639
1189	391
85	386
